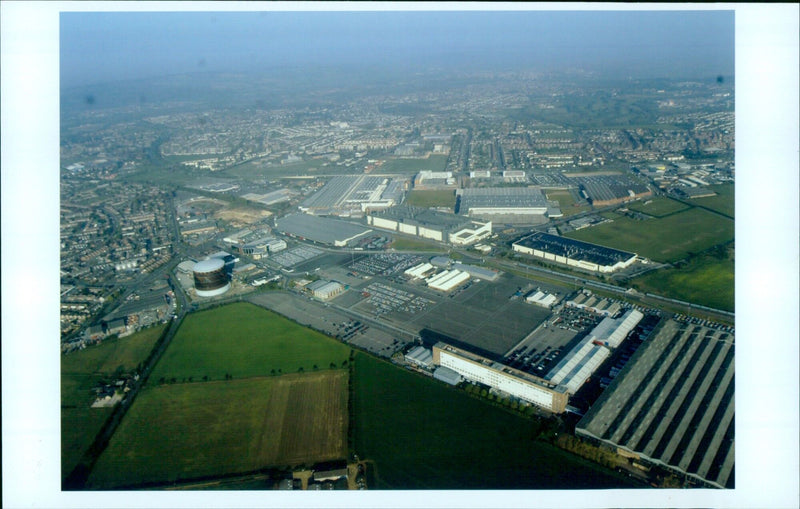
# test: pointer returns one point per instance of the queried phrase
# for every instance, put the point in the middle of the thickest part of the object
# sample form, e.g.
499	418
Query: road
627	293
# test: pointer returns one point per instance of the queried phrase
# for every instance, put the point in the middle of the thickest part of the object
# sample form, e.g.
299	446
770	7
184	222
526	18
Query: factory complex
430	224
517	383
353	195
320	230
574	253
673	405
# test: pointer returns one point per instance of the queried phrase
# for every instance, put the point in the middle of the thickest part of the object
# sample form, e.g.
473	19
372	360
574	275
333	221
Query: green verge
81	371
412	165
658	207
421	198
666	239
704	280
724	202
211	429
244	340
422	434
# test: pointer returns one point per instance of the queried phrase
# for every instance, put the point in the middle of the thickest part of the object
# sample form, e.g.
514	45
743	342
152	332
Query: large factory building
574	253
673	404
354	195
506	204
430	224
517	383
321	230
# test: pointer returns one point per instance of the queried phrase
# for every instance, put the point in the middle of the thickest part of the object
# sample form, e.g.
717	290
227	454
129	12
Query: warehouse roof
575	249
319	229
673	403
502	197
424	217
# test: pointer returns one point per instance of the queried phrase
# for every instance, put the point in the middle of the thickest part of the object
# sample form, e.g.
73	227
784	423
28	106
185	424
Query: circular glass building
210	278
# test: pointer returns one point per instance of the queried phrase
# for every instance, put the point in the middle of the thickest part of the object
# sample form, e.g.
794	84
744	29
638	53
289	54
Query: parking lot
331	321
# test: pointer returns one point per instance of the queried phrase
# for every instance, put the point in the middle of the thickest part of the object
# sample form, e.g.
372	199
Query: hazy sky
109	46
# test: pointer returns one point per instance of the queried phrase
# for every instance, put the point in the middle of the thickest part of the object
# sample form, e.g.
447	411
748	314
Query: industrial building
211	277
574	253
511	381
578	365
325	290
541	298
448	280
613	331
447	376
434	180
611	189
505	204
320	229
260	248
583	360
480	174
419	271
673	404
354	195
472	270
431	224
420	356
597	305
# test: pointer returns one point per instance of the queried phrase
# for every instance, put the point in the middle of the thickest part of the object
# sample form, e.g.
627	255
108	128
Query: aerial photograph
415	251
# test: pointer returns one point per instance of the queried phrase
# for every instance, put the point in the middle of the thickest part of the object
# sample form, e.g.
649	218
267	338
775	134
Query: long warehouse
574	253
673	404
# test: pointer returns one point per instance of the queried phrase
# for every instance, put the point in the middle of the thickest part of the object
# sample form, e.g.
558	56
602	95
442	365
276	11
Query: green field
258	169
431	163
244	340
421	434
81	371
211	429
429	199
658	207
665	239
724	202
705	280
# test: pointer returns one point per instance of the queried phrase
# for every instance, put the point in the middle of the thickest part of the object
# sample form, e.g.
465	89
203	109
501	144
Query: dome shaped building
210	277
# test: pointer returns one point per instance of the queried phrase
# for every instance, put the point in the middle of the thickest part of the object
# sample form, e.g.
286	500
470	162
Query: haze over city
393	251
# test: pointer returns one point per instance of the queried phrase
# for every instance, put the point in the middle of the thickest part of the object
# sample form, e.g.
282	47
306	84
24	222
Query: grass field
244	340
422	434
705	280
724	202
443	198
80	373
658	207
666	239
567	202
258	169
208	429
431	163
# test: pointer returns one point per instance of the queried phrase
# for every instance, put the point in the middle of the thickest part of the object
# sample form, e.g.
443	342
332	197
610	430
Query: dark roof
575	249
